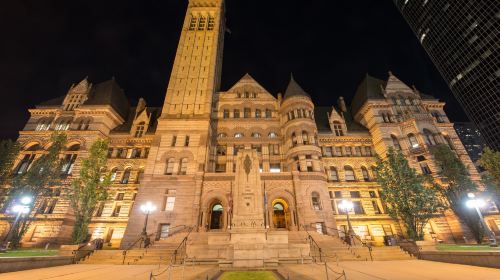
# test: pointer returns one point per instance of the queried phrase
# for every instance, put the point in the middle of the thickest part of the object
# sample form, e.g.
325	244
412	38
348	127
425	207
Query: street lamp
19	208
477	203
346	207
147	209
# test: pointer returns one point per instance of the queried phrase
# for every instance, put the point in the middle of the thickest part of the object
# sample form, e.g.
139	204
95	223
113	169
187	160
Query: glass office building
462	39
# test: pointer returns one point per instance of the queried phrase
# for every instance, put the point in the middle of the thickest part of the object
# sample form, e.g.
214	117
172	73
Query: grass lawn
248	275
29	253
457	247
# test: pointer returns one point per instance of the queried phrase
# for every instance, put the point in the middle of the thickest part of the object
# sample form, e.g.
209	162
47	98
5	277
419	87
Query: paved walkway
395	270
103	272
381	270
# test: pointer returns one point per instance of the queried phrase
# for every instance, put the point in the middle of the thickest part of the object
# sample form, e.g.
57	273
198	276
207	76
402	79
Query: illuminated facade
194	157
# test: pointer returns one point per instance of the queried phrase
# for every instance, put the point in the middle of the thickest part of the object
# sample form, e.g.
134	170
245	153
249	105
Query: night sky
328	45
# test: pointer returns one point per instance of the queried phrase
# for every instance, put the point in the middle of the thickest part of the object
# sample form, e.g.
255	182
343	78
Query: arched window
316	201
395	142
43	124
334	175
183	166
272	135
294	139
337	129
305	138
70	159
28	159
126	176
221	135
413	141
366	176
374	172
429	137
256	135
448	140
63	124
349	174
113	175
139	130
169	170
238	135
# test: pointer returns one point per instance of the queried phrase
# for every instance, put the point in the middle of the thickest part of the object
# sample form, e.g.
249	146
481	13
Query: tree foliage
88	189
490	160
411	197
37	181
8	154
459	185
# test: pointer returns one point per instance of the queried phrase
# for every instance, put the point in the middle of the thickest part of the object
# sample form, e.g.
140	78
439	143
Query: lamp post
23	207
147	209
347	206
477	203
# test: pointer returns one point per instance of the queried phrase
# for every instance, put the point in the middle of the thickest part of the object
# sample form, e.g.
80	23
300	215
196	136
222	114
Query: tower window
192	24
202	23
211	23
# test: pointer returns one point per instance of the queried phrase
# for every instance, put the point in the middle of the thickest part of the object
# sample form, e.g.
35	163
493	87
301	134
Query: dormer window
139	131
337	129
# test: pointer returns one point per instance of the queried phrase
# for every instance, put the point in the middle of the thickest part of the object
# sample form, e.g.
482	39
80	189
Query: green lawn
29	253
248	275
457	247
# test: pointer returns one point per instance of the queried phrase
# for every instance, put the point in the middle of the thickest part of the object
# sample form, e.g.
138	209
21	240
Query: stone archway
216	216
281	218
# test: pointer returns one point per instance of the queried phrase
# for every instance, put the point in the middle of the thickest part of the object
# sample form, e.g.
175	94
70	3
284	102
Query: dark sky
329	46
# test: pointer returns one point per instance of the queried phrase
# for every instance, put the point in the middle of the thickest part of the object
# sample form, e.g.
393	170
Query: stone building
237	161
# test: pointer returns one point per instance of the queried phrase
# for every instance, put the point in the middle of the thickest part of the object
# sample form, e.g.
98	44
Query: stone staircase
159	252
335	249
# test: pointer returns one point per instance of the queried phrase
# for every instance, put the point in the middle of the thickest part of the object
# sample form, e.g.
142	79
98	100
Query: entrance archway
216	216
281	214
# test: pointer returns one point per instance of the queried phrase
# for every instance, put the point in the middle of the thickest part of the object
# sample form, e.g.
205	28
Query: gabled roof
105	93
369	89
247	80
153	112
294	89
323	123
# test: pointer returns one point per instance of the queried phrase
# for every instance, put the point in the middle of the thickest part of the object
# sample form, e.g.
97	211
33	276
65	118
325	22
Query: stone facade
187	157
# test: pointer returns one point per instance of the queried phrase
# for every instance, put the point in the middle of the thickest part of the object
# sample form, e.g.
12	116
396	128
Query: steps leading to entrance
334	248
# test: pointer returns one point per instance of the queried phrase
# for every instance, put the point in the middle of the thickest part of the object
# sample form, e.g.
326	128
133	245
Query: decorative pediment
247	84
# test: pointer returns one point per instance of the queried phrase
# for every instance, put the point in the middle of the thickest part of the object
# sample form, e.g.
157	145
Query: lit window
349	174
334	176
170	167
316	201
413	140
183	166
169	205
256	135
273	135
238	135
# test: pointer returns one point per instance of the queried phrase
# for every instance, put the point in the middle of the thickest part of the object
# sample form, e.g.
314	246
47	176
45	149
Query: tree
37	181
458	186
411	197
490	160
8	154
88	189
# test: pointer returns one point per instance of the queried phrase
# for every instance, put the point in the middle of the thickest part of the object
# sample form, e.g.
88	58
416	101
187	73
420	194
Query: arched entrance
281	214
216	216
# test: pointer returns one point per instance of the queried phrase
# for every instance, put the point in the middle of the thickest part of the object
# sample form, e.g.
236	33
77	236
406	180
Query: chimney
342	105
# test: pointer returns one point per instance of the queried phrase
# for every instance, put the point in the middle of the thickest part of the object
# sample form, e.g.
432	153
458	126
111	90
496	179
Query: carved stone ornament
247	165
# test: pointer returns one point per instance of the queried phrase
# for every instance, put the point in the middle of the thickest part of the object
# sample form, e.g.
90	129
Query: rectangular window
221	150
169	205
327	151
258	113
373	194
120	196
226	114
269	114
257	148
275	168
338	194
246	113
338	151
348	151
309	166
425	168
358	208
376	209
355	194
357	151
116	211
334	176
186	141
174	140
237	148
274	149
220	168
236	114
368	151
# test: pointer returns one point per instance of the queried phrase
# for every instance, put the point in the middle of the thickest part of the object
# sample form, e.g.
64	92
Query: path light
477	203
347	206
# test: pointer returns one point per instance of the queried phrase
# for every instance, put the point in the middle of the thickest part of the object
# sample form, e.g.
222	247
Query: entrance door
216	216
279	217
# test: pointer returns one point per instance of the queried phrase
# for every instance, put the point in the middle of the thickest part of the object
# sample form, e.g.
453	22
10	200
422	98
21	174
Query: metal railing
173	231
180	253
351	247
87	249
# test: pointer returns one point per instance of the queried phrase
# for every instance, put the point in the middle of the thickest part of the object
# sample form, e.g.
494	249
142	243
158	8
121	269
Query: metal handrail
351	248
149	235
173	257
87	252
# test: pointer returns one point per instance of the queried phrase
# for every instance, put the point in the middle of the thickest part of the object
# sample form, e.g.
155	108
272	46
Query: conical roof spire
294	89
